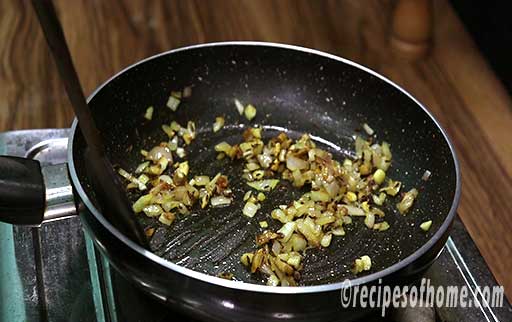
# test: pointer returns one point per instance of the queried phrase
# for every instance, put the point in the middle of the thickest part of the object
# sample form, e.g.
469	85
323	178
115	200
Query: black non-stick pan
295	90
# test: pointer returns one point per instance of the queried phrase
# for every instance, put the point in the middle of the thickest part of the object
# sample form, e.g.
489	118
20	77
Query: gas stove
54	272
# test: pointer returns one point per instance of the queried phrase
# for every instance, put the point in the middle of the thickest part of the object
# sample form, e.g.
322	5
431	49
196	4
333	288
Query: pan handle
31	194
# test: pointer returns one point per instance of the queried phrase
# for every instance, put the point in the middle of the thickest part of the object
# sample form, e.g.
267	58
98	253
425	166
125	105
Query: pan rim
257	287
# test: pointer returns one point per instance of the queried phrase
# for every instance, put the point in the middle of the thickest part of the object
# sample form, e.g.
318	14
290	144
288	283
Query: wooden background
454	81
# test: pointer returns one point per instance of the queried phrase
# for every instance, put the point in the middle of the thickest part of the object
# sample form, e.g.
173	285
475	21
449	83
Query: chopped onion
143	179
149	113
294	260
407	201
250	112
382	226
326	240
187	91
167	218
223	147
368	129
219	123
426	175
294	163
362	264
379	200
165	178
220	201
132	179
332	188
246	259
173	103
181	152
287	230
393	188
250	209
426	225
379	176
173	143
142	202
321	196
159	152
201	180
152	210
354	211
264	185
369	221
141	167
239	107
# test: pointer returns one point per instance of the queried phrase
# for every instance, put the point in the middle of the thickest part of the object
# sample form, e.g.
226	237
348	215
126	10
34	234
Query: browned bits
267	236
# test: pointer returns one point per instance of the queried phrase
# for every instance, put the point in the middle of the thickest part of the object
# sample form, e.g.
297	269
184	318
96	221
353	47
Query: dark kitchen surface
54	273
454	81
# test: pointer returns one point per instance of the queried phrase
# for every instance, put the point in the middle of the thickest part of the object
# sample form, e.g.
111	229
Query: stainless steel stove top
54	273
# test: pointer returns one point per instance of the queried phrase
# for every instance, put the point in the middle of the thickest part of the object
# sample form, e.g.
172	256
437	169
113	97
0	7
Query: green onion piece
264	185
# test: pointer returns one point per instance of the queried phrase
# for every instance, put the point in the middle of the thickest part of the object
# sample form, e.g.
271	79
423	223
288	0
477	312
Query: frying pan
296	90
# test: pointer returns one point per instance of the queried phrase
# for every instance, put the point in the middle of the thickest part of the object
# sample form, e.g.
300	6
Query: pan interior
295	91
